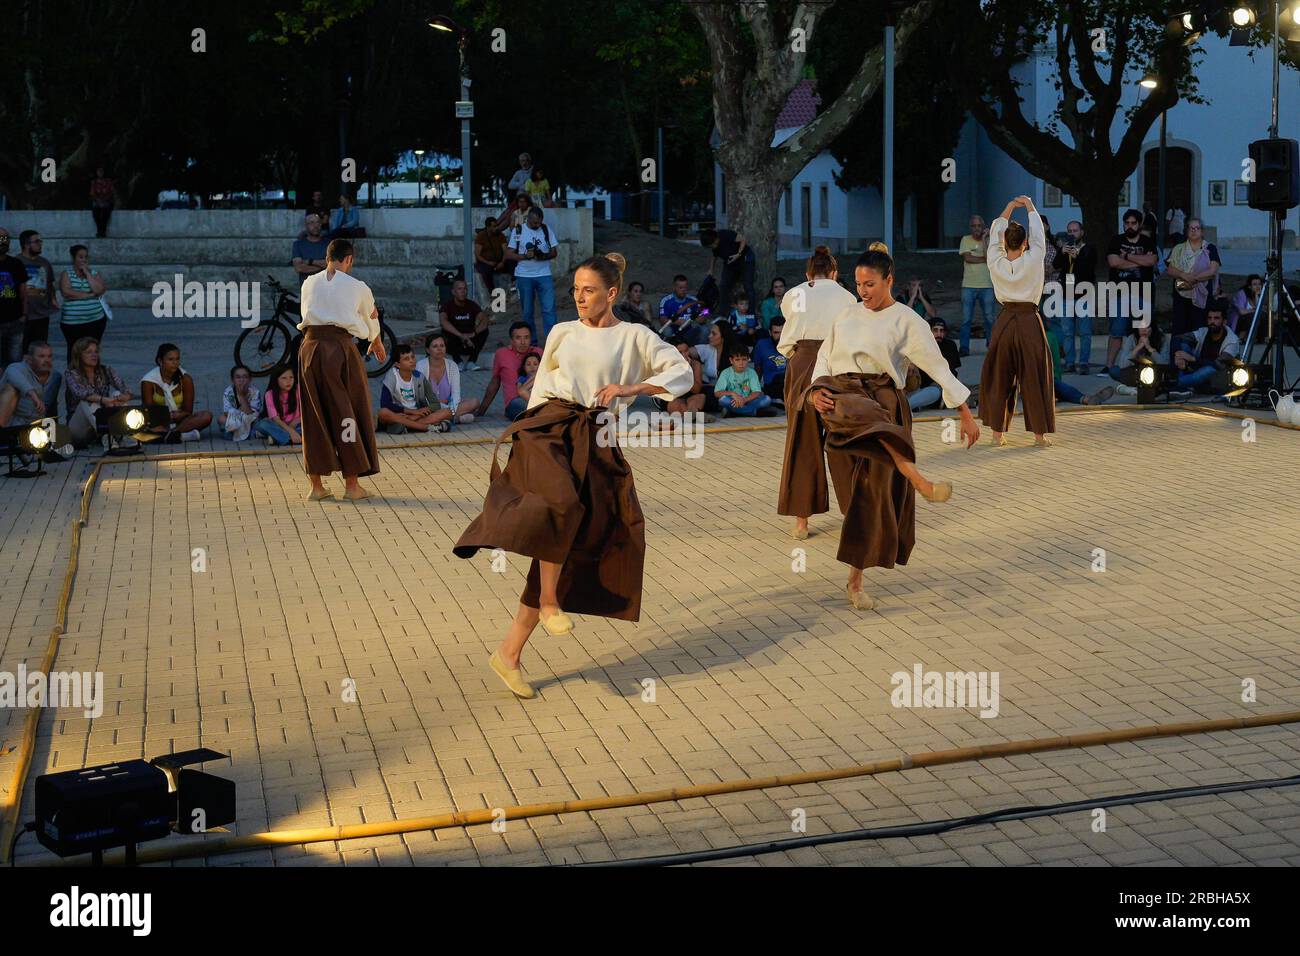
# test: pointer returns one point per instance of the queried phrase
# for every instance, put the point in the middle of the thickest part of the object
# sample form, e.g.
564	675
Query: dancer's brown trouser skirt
803	491
880	519
566	498
1018	360
338	427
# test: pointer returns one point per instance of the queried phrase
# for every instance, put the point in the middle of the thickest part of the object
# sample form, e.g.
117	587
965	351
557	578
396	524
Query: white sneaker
466	418
471	366
1125	390
191	435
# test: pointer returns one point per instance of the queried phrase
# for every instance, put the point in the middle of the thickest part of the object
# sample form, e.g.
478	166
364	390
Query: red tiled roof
801	108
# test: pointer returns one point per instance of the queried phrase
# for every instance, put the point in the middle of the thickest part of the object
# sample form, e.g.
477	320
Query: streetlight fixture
465	113
419	177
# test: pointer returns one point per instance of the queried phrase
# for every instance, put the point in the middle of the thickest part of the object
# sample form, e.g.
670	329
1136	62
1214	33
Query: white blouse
579	360
809	309
339	300
861	340
1019	279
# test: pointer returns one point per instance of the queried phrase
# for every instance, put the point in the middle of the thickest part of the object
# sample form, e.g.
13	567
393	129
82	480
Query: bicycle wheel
263	347
374	368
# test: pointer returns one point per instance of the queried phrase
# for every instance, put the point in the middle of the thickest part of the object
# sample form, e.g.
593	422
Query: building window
789	205
1123	195
825	220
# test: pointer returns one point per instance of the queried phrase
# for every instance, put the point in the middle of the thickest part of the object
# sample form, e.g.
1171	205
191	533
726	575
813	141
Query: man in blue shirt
770	363
677	310
309	253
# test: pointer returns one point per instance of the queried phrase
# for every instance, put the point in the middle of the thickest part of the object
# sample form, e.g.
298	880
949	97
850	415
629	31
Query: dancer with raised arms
857	386
566	497
809	309
1018	359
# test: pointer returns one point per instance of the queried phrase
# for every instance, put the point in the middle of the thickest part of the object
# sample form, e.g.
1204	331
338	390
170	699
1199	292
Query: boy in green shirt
738	390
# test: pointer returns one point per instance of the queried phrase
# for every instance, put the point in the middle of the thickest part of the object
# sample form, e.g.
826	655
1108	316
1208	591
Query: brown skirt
880	518
566	498
338	427
1018	360
803	472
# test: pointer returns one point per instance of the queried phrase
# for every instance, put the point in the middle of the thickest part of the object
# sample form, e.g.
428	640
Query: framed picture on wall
1123	194
1218	192
1051	196
1240	192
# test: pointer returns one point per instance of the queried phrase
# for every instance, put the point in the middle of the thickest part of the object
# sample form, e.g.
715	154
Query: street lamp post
419	177
887	178
465	111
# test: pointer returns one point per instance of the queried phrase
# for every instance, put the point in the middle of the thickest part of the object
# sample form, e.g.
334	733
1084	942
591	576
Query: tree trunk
1100	220
752	195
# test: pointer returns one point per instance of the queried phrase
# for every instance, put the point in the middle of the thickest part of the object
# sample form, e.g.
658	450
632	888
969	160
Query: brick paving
758	669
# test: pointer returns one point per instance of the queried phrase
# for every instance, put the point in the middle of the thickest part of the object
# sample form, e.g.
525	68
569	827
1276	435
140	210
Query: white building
1206	145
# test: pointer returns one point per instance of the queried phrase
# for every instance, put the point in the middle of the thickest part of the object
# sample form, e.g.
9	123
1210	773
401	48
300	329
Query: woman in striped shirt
83	313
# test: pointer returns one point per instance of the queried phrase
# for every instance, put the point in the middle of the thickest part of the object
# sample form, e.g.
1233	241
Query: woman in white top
857	386
566	497
1018	359
444	376
809	309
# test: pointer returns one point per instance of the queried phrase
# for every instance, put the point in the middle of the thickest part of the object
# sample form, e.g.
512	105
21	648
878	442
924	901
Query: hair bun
619	261
822	251
878	246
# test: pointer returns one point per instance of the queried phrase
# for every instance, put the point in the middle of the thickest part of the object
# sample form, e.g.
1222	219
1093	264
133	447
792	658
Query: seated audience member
283	410
738	390
744	323
677	310
700	397
1198	356
29	390
770	364
345	221
528	375
634	308
465	326
444	376
918	301
1146	343
1244	304
90	386
407	402
505	372
770	307
170	385
1065	392
309	250
930	394
241	405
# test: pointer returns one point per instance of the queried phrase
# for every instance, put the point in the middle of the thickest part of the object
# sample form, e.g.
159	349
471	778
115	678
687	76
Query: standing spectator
407	403
309	251
444	376
1132	258
676	311
523	175
41	291
317	207
532	247
490	254
920	302
1194	267
1051	253
634	308
770	307
930	393
505	371
517	212
770	363
976	283
738	390
1078	259
29	390
465	326
345	221
103	196
1175	218
90	386
1242	310
738	263
83	291
13	303
241	405
1201	354
538	188
283	422
1150	224
170	385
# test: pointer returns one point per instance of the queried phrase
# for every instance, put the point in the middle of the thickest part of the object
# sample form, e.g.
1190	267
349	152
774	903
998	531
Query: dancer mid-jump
1018	358
858	389
809	309
566	497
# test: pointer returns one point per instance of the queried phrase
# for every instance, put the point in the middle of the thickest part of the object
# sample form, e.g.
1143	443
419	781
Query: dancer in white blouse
1018	358
566	498
857	386
809	309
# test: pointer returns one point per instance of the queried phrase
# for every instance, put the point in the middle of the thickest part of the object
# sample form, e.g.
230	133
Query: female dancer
857	385
809	309
566	498
1018	358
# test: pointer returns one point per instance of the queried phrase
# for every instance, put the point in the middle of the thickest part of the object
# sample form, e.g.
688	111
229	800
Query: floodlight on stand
1289	26
36	440
129	421
1147	377
1243	16
1234	378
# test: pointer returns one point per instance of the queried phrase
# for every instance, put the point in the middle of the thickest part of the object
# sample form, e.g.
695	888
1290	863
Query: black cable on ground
943	826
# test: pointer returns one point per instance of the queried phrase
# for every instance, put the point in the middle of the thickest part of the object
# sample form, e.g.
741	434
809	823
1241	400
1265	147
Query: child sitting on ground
407	402
743	320
528	375
241	405
738	390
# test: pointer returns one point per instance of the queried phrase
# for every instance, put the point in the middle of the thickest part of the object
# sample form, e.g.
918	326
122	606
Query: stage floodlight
37	441
130	421
1148	378
1242	17
1289	26
1234	378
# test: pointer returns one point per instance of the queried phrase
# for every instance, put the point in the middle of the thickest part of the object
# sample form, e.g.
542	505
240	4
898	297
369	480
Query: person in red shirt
102	197
506	364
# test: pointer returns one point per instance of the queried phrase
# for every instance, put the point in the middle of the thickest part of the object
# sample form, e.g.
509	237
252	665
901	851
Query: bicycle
273	343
